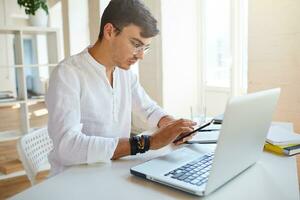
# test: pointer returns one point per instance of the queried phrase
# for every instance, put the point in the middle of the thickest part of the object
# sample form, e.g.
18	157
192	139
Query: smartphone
181	136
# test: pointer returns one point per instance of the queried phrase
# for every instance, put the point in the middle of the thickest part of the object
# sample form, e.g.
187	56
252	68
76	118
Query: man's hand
165	120
168	133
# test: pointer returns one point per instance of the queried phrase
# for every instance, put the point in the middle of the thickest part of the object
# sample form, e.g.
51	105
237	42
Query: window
217	42
30	58
203	54
224	52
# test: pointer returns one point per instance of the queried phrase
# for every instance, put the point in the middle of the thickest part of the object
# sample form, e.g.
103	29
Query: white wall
76	33
56	20
150	69
78	25
274	53
103	5
8	10
14	15
180	56
216	100
2	15
94	19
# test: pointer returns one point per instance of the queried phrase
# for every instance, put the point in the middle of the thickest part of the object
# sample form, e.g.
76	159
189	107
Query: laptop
200	170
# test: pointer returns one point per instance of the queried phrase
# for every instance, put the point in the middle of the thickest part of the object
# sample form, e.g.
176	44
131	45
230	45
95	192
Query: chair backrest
33	149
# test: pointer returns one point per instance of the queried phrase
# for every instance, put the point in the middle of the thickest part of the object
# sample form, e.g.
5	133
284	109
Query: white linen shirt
87	116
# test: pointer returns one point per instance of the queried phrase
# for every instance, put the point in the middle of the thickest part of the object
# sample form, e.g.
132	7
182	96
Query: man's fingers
184	130
185	122
178	143
188	138
183	140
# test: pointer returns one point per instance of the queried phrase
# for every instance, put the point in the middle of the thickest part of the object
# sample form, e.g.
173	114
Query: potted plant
37	11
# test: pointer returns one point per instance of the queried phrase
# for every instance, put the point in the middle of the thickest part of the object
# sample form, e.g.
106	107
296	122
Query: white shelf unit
54	53
21	173
12	175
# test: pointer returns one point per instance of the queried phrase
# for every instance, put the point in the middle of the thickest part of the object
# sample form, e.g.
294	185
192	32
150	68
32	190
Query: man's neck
102	56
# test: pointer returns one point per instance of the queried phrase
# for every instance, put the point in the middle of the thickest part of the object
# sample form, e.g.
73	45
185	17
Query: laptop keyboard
195	172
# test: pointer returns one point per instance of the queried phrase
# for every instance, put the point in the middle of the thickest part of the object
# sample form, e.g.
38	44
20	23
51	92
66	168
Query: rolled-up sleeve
71	145
143	106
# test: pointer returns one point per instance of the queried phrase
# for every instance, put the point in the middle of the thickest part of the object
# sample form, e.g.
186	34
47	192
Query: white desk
272	178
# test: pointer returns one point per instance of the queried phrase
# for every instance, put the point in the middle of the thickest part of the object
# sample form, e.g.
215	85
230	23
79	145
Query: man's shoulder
71	60
71	63
66	68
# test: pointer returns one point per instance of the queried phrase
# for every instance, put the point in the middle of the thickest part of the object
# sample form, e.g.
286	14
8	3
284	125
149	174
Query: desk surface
272	177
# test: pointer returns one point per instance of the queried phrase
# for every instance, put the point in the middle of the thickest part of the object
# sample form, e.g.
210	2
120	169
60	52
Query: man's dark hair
122	13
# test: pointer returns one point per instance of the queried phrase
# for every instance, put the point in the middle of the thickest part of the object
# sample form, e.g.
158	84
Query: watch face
141	143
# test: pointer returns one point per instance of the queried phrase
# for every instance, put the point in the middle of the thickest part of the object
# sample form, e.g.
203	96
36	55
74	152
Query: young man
92	94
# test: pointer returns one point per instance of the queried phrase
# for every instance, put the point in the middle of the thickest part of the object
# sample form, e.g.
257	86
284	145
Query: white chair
33	149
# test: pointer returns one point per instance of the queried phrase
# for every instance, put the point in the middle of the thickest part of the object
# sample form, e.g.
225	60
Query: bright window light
217	42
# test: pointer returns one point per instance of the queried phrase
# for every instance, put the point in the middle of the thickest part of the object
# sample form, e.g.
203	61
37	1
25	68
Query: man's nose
140	55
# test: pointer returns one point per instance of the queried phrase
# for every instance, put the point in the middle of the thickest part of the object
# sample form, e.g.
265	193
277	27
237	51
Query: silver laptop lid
242	136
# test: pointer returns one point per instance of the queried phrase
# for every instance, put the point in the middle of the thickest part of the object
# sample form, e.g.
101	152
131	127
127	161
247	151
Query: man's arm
123	148
158	139
143	106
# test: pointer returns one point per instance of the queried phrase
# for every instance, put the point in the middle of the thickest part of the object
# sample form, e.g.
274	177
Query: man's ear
108	31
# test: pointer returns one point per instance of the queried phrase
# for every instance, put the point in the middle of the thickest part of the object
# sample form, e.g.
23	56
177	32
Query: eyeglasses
139	48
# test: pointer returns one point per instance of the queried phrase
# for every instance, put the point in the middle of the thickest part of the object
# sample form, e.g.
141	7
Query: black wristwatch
139	144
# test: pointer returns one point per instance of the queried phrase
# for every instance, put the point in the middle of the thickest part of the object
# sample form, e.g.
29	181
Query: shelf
27	30
21	173
12	175
36	100
13	135
10	135
10	102
15	43
25	66
13	102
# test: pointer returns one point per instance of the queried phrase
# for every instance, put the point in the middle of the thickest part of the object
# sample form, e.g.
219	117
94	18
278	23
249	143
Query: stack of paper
6	96
209	134
281	139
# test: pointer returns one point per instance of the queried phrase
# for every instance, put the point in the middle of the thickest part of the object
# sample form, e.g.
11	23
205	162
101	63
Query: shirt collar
98	66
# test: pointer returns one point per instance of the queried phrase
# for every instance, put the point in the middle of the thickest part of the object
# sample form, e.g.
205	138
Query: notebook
281	135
